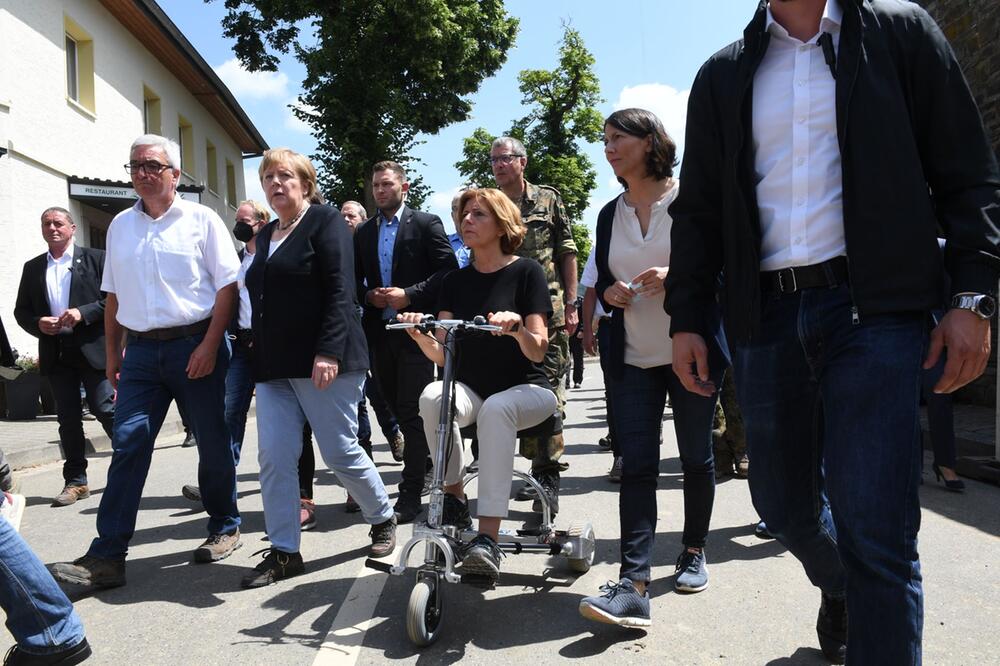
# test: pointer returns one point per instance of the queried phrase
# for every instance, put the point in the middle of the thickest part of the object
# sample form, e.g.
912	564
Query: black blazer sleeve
439	257
27	309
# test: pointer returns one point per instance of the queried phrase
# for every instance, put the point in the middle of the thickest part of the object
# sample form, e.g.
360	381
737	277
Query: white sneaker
12	509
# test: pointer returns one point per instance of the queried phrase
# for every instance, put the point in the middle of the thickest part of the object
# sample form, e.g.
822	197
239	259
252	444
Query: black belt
829	273
173	332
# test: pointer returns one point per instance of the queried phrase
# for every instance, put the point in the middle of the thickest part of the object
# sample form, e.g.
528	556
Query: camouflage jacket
549	238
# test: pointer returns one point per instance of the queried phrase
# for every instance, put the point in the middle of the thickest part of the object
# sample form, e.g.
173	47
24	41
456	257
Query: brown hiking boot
397	445
70	494
383	538
90	570
217	547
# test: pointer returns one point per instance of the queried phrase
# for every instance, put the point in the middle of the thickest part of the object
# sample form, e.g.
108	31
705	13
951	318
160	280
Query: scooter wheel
423	613
585	532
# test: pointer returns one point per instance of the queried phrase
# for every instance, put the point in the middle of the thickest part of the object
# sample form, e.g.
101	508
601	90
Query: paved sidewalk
31	443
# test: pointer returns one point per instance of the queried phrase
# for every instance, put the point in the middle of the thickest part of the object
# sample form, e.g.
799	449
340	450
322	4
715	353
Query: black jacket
715	339
420	258
84	294
303	299
914	156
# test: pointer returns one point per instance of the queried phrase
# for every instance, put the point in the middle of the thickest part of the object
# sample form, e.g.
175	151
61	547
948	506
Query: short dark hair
389	165
662	157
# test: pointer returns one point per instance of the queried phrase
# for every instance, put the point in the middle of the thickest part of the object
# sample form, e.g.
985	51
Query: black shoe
761	532
191	492
831	628
526	492
550	484
456	512
428	482
189	439
954	485
74	655
605	443
275	566
406	510
481	557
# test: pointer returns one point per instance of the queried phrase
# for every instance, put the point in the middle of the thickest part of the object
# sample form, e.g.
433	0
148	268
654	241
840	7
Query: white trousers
498	418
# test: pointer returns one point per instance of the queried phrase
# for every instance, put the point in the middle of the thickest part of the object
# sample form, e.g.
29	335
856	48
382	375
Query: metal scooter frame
441	541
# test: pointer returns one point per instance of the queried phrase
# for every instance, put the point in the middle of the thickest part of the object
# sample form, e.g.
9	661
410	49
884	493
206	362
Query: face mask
243	232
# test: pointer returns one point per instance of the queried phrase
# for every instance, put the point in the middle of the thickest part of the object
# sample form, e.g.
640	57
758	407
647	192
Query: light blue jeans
39	616
283	406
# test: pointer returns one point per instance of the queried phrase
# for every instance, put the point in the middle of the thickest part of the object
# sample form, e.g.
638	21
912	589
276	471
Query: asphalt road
758	609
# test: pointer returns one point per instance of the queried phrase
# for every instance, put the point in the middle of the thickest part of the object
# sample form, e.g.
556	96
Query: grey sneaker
481	557
91	571
691	572
615	473
217	547
620	603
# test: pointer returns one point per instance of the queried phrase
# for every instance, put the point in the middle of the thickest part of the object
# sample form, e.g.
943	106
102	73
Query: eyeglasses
504	159
152	167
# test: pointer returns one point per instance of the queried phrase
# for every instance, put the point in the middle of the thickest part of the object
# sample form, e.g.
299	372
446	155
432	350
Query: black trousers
403	372
65	376
576	349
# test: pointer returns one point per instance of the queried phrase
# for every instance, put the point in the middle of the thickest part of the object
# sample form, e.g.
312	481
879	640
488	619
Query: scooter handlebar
429	323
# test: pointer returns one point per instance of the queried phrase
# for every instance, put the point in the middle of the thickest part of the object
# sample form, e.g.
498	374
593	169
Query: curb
49	452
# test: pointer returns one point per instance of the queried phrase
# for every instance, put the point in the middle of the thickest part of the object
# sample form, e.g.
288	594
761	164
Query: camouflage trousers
544	452
728	434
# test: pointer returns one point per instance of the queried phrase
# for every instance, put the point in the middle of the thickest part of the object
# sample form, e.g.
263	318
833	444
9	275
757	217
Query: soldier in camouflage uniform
549	241
728	435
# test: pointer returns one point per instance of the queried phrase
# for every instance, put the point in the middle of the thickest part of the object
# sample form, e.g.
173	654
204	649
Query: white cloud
295	123
669	104
253	85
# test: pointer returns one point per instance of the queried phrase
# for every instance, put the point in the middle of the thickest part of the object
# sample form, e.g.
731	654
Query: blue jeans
639	397
39	616
830	409
283	406
239	393
153	373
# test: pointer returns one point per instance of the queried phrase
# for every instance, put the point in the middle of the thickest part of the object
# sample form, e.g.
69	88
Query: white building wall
50	138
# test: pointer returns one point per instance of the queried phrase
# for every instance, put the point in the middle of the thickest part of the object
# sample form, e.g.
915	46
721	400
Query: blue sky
647	54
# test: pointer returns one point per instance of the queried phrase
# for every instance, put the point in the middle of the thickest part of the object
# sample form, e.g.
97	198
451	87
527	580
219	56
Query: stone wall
973	28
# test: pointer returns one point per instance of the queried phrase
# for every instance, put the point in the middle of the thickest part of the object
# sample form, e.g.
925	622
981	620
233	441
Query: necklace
294	219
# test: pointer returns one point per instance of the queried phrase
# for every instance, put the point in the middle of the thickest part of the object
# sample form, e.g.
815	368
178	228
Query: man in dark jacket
60	302
823	151
400	257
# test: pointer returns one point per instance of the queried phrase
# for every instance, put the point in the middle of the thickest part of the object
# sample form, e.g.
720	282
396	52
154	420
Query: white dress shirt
243	319
797	154
589	281
58	278
166	271
647	326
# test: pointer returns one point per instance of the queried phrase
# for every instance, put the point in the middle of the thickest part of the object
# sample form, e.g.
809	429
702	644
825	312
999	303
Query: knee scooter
445	543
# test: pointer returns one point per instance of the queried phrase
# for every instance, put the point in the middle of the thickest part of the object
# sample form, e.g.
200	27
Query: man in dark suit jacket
400	257
60	302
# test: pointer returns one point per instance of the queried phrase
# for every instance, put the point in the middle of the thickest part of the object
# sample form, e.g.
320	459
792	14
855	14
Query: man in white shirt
170	277
60	302
823	153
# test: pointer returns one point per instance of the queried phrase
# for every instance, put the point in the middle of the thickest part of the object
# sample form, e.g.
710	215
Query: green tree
581	236
562	106
378	73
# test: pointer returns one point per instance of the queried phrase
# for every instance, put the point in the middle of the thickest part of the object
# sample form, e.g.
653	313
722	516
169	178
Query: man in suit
400	257
60	302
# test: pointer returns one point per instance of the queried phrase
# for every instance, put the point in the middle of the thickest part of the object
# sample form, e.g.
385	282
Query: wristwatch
982	305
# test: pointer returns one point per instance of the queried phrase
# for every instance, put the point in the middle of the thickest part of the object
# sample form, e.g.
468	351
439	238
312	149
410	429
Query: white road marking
342	644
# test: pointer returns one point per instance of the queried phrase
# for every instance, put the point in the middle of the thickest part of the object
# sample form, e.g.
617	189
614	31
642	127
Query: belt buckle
781	281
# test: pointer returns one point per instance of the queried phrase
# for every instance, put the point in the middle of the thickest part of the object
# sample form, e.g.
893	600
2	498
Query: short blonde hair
300	164
260	211
503	210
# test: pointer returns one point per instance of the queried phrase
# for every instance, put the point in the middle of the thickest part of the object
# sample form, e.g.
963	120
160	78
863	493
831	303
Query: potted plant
22	392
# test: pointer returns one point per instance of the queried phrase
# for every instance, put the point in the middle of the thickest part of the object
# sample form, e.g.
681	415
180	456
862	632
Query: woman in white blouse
633	255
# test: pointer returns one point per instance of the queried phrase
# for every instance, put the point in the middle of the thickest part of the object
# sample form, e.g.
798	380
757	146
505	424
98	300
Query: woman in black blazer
310	361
